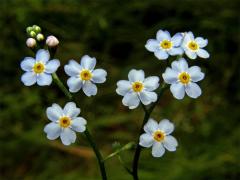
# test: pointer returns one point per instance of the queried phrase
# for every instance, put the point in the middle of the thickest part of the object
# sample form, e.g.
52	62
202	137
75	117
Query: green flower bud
29	29
36	28
40	37
32	34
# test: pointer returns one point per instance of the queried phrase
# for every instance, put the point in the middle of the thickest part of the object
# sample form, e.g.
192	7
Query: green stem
145	119
86	132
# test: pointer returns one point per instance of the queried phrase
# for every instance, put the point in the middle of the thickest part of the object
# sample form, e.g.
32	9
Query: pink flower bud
52	41
31	43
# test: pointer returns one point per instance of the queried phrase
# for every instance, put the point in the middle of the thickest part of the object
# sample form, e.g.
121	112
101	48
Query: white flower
182	79
193	46
158	136
165	45
137	89
64	123
84	76
39	70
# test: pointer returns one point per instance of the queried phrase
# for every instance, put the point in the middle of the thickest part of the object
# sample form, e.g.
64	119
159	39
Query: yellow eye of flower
166	44
38	67
193	45
85	75
137	86
184	78
64	121
158	136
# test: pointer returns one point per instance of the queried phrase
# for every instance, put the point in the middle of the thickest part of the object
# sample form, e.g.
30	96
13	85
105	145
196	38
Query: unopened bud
52	41
36	28
31	43
29	29
40	37
32	34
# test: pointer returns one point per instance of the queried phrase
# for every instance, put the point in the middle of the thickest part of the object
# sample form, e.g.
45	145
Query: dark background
115	32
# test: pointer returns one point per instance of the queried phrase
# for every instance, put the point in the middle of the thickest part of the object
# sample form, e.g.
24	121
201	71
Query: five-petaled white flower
64	122
84	76
39	69
193	46
137	89
183	79
165	45
158	136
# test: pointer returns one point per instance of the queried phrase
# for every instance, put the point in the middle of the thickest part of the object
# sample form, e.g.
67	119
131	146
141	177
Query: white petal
131	99
191	54
166	126
203	53
123	87
68	136
42	55
89	88
158	150
201	42
152	45
74	84
170	76
175	51
136	75
52	130
72	68
44	79
170	143
52	66
151	126
79	124
99	76
88	63
151	83
180	65
54	112
178	90
146	140
193	90
160	54
190	34
147	97
163	35
177	39
71	110
27	63
195	73
29	78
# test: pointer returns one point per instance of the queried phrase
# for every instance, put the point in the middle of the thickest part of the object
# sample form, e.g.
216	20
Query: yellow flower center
166	44
38	68
137	86
158	136
85	75
193	45
65	121
184	78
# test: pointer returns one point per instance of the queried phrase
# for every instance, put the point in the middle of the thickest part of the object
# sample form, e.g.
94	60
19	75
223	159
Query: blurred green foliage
115	33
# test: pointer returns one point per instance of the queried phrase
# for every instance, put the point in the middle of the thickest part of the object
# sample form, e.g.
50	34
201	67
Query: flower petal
158	150
99	76
160	54
131	100
170	143
151	126
42	55
180	65
147	97
166	126
52	66
44	79
151	83
52	130
72	68
27	63
203	53
193	90
68	136
29	78
191	54
74	84
152	45
177	39
54	112
175	51
201	42
163	35
195	73
71	110
146	140
89	88
177	90
123	87
88	63
79	124
170	76
136	75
